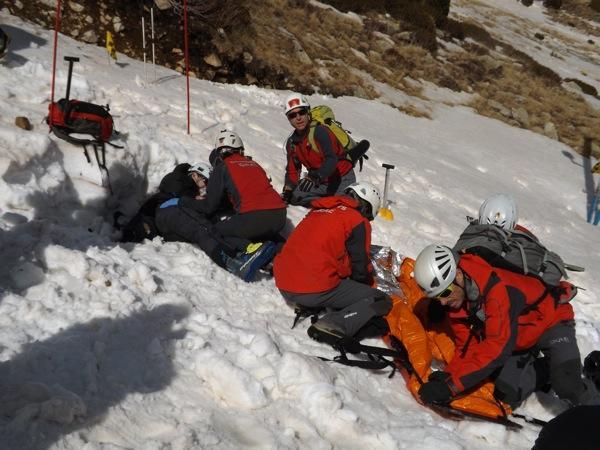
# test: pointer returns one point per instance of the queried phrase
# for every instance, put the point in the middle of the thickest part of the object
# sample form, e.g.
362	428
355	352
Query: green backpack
323	115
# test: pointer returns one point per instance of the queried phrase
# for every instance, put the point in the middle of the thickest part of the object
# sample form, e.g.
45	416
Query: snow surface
150	346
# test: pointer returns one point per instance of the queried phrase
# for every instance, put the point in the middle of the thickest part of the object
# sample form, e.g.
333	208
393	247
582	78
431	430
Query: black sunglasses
293	115
446	292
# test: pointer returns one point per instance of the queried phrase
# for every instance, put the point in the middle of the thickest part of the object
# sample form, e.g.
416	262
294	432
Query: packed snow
106	345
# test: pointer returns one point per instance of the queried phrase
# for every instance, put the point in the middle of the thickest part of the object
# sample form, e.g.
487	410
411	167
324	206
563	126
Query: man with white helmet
329	171
325	263
500	210
500	321
258	212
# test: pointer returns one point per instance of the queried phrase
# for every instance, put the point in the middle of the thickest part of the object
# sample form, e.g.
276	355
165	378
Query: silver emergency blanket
386	268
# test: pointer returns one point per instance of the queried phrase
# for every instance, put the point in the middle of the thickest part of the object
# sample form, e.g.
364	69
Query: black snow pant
239	230
573	429
186	225
560	369
350	304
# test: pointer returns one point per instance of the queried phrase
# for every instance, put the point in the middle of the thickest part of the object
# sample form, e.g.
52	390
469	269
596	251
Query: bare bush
225	14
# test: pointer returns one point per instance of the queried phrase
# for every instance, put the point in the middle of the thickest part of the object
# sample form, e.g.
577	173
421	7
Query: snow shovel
385	212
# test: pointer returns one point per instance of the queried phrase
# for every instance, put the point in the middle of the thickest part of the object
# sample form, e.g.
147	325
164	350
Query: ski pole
385	211
71	60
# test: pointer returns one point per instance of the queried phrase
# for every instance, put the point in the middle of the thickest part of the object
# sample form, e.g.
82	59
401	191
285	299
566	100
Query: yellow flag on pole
110	46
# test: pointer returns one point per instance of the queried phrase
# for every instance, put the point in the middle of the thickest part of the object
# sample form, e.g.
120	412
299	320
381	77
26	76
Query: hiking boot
257	255
326	332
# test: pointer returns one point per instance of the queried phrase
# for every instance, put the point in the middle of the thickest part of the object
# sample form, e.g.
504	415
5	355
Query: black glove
311	179
436	312
436	390
305	184
286	195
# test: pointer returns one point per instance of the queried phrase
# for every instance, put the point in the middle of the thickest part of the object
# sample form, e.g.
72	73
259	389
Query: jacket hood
334	202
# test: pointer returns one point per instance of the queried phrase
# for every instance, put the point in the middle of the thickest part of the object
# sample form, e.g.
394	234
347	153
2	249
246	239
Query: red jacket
328	161
243	182
505	325
331	243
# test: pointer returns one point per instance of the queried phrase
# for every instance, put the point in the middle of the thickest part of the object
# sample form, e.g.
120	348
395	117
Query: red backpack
84	124
73	117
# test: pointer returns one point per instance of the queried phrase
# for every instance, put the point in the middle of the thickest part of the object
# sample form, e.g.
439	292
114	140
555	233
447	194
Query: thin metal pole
187	61
153	53
144	46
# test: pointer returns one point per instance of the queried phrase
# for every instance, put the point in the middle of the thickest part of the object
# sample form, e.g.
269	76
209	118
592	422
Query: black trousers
560	369
186	225
240	230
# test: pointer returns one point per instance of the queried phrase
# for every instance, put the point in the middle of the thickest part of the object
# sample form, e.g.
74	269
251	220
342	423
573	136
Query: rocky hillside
352	47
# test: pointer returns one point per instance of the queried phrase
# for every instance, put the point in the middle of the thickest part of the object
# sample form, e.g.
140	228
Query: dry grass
579	14
544	102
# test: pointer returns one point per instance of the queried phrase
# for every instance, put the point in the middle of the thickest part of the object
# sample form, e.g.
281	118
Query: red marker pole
56	29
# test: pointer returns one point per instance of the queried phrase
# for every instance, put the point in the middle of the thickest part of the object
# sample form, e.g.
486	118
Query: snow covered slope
150	346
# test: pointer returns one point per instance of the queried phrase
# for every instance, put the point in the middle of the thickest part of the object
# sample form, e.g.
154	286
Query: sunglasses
293	115
446	292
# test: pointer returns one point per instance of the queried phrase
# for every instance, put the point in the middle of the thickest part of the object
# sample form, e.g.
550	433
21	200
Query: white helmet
295	101
435	269
499	209
201	168
229	139
369	194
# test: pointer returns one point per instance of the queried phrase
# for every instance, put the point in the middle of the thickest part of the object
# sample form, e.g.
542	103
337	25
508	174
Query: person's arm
323	139
215	191
357	246
292	168
476	358
177	182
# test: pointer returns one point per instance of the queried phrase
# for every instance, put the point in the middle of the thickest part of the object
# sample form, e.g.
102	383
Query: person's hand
286	195
310	180
436	391
169	203
305	184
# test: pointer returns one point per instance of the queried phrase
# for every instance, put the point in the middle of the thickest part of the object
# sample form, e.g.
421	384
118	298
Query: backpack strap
302	312
101	163
311	136
376	356
539	300
474	308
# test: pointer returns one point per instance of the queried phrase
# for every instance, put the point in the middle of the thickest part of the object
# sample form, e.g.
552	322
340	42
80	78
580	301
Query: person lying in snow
325	264
184	180
243	242
501	321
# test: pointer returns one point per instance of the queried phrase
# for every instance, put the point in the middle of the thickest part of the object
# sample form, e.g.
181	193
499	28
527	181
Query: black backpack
515	250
